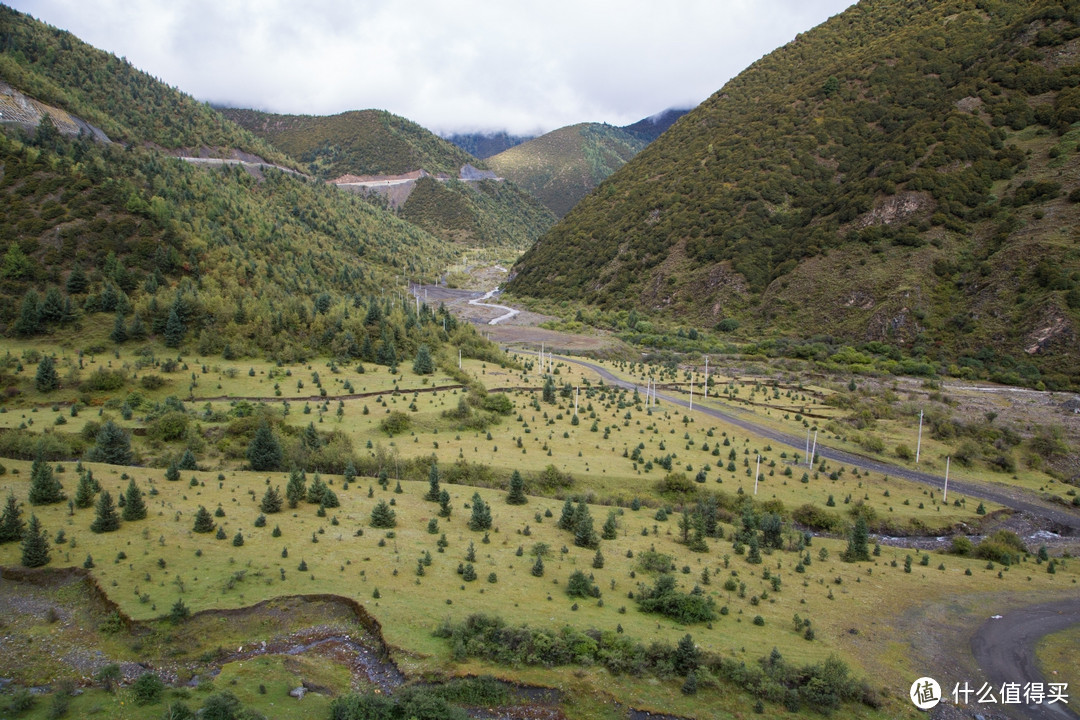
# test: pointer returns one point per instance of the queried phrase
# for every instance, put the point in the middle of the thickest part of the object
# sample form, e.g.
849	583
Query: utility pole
576	390
757	473
945	493
706	377
814	451
918	447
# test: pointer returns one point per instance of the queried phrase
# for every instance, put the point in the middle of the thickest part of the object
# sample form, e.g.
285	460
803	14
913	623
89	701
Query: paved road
1005	650
1069	523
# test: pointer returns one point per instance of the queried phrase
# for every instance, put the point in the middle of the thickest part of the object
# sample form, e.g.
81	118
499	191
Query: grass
409	606
163	560
1056	656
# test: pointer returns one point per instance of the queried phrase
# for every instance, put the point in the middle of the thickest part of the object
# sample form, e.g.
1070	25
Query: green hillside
562	166
360	142
374	142
55	67
905	173
485	212
253	261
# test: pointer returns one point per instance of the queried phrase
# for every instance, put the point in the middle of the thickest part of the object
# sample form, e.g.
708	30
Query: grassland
1057	657
856	609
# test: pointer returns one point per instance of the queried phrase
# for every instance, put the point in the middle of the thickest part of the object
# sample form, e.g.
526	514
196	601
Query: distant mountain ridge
361	142
650	128
559	168
377	153
905	174
484	145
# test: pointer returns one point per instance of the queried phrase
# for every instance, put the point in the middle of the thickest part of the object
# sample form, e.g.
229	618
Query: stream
508	313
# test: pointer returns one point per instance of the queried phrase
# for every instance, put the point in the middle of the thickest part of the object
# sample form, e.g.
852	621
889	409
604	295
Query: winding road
509	311
1069	523
1004	647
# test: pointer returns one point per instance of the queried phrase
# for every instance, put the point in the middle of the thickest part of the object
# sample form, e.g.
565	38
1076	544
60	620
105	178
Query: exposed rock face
897	209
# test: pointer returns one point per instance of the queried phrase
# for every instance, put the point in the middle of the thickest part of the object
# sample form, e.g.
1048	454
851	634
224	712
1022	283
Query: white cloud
460	65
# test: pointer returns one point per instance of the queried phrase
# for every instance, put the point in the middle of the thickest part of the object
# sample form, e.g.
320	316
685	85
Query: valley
763	408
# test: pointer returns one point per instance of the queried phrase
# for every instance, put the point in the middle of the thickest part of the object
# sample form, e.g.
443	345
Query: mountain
484	145
359	142
650	128
562	166
434	183
905	173
109	224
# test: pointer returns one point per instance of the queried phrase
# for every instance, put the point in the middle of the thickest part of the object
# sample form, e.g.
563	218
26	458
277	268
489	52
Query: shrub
395	423
147	689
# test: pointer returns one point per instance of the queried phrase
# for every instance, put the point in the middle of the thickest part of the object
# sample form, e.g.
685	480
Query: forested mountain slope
559	168
256	261
905	173
376	143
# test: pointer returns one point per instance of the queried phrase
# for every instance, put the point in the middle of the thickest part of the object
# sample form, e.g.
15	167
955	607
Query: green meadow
637	467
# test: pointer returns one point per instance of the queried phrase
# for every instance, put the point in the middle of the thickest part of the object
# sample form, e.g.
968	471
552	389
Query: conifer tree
566	520
119	332
383	516
264	452
687	656
45	489
549	391
481	514
857	549
29	321
187	461
316	490
271	501
423	364
107	519
77	283
112	446
516	495
174	329
295	489
52	307
444	504
204	523
538	567
387	355
134	506
172	473
12	527
84	493
46	380
137	331
432	495
584	535
35	545
753	555
610	531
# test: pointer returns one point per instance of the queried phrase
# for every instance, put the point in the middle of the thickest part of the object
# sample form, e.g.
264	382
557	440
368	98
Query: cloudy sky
451	65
